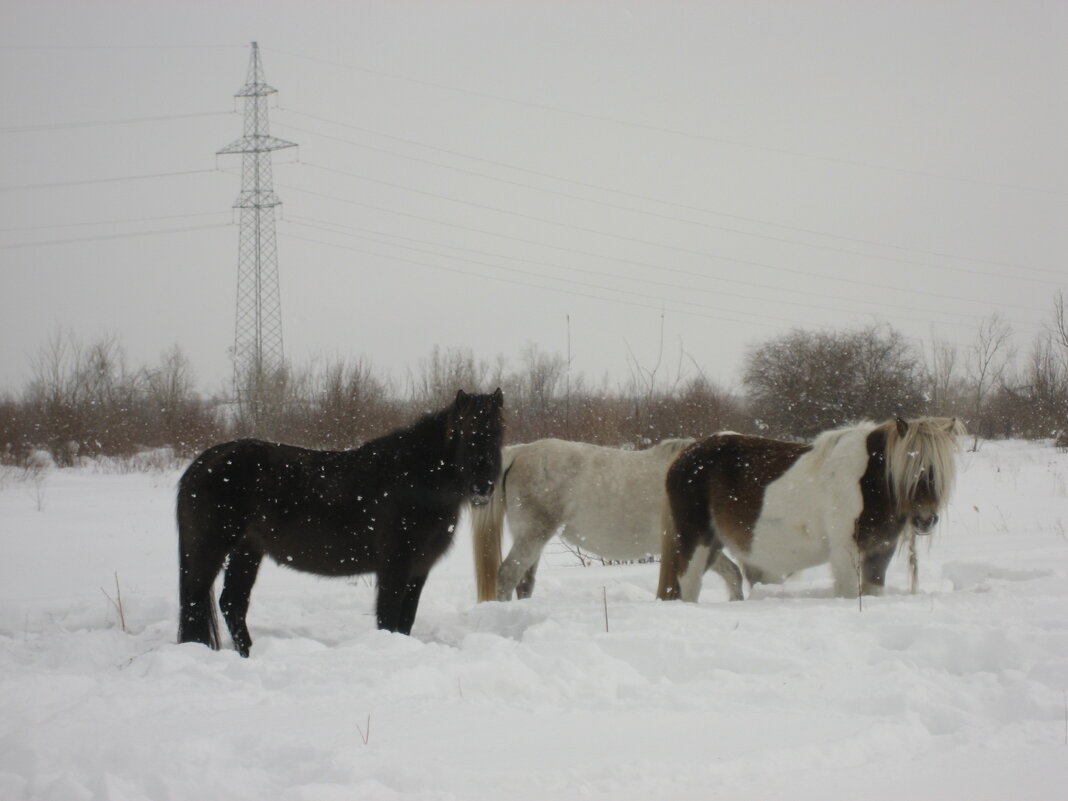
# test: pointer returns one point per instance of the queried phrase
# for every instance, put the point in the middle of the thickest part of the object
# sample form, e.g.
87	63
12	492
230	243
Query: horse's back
231	482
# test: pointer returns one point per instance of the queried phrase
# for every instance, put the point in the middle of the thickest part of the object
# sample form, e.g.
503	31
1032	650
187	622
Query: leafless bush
34	474
1032	400
803	382
946	386
84	402
347	405
446	371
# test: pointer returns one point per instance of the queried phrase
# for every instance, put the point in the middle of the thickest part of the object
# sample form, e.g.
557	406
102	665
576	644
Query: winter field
957	692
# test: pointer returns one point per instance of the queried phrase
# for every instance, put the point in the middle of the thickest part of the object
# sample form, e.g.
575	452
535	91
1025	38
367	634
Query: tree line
85	400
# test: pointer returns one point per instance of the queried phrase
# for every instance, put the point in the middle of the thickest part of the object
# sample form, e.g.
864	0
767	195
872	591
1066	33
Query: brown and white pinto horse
780	507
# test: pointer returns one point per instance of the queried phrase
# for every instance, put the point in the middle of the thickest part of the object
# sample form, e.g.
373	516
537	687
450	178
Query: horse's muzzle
479	498
923	525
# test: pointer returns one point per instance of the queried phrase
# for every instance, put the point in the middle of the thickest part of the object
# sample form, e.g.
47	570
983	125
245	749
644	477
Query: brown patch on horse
715	492
880	523
737	469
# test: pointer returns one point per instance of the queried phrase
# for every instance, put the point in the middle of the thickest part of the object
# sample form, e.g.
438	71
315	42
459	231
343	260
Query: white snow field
957	692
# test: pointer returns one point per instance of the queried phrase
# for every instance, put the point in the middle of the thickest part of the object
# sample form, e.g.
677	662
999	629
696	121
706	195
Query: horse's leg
398	594
873	567
729	572
688	536
531	530
202	549
409	604
196	618
705	552
240	575
754	575
525	588
845	565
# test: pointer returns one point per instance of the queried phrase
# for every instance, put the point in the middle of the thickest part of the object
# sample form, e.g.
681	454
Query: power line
621	237
95	123
122	47
332	228
470	273
672	131
111	222
79	240
636	240
631	195
720	316
788	270
89	181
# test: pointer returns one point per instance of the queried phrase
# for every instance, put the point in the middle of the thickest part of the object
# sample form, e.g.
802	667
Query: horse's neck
417	446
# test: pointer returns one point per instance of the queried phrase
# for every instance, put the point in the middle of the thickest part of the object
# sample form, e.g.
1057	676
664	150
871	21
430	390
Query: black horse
389	507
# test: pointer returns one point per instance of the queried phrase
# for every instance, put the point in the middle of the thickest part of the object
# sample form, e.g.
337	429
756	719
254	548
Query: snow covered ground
955	693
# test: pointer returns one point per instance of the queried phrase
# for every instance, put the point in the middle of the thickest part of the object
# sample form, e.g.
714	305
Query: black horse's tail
197	619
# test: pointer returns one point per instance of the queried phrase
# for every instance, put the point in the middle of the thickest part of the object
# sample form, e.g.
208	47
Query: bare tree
1058	330
445	372
649	390
943	378
79	392
352	405
178	417
535	405
1058	327
987	360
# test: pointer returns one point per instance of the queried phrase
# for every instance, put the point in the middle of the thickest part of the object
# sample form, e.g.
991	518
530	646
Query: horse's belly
782	546
323	551
624	537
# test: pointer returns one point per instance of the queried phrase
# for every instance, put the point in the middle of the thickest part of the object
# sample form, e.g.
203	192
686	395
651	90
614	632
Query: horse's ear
498	398
902	426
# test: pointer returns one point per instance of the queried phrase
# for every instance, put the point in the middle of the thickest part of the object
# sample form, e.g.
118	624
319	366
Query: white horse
604	500
780	507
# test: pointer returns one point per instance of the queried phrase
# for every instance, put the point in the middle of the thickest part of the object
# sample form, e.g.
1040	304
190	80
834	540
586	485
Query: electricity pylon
258	358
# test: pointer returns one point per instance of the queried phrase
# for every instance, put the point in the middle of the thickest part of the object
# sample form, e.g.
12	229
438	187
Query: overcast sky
477	174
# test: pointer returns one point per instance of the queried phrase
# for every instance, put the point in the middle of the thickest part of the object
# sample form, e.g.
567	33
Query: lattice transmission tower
258	357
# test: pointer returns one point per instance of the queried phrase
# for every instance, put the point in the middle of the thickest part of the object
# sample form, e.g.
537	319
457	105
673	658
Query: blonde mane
928	444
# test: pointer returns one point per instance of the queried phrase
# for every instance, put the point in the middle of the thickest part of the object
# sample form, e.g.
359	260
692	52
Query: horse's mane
414	436
826	442
929	443
434	429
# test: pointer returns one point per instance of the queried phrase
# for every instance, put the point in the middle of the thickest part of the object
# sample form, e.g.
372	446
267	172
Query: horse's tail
668	588
197	618
487	524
